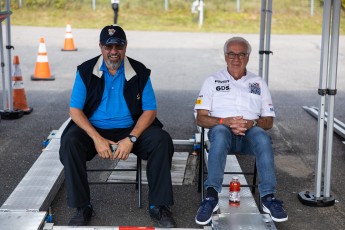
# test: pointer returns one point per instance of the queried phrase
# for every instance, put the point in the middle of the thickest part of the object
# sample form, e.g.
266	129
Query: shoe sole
266	210
207	221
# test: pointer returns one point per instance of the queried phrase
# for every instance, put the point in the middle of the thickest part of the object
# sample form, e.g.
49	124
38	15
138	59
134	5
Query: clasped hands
237	124
124	148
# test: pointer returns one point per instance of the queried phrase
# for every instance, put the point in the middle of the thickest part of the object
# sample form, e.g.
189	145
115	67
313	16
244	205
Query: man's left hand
123	150
238	125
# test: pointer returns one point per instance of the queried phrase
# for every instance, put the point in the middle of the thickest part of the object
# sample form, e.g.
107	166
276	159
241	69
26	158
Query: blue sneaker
207	207
275	208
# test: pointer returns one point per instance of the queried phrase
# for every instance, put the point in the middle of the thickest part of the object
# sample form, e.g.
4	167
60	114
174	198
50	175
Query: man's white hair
237	40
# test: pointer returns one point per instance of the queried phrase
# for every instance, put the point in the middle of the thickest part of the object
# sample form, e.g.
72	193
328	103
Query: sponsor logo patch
254	88
223	88
218	81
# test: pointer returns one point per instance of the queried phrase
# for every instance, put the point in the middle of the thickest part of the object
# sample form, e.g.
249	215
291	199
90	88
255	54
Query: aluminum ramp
339	127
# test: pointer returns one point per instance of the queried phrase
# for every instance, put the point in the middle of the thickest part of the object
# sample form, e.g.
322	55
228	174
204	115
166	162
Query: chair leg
200	172
201	164
139	181
254	178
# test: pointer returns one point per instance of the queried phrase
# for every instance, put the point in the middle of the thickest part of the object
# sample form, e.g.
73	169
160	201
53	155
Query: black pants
154	145
115	7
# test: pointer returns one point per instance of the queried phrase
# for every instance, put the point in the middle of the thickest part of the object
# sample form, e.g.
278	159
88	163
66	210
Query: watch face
133	139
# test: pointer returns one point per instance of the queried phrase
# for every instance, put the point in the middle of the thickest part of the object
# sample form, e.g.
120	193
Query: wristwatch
254	123
132	138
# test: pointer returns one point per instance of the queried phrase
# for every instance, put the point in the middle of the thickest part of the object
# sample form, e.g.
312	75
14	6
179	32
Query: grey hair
237	40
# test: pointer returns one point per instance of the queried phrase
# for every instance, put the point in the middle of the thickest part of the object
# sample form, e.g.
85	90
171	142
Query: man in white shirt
236	106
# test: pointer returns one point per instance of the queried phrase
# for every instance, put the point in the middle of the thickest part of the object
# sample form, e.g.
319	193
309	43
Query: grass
288	17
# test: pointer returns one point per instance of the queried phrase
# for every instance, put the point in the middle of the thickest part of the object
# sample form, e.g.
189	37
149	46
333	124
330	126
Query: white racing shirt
223	96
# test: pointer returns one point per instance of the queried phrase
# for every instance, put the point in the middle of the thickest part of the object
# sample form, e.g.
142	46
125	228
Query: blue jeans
256	142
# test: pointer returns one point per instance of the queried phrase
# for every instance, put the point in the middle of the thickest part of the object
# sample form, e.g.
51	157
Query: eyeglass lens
240	56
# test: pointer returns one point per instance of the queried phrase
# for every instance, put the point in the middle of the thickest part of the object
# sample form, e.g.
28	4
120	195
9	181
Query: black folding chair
137	182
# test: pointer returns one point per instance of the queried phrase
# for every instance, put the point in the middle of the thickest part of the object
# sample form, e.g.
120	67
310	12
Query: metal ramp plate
249	221
120	228
21	220
339	127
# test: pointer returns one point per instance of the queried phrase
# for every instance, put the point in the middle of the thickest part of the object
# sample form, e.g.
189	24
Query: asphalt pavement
180	61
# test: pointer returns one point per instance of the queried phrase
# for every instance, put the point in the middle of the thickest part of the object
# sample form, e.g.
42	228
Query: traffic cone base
42	70
35	78
69	50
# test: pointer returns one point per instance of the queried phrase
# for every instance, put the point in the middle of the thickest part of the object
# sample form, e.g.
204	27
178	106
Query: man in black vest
113	103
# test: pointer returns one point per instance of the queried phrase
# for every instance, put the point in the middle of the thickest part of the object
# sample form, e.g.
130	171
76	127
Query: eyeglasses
240	56
111	47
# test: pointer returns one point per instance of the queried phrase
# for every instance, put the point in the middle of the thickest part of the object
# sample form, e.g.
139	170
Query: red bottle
234	192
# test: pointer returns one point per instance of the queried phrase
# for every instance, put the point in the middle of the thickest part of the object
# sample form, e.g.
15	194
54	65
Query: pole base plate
11	114
309	199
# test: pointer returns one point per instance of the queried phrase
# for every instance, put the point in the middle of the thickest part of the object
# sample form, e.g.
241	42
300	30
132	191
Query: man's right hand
103	149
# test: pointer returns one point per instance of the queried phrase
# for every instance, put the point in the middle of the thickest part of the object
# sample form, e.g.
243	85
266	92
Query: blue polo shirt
112	111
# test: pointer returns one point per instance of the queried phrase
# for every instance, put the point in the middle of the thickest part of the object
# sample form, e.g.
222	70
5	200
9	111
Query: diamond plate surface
22	220
243	221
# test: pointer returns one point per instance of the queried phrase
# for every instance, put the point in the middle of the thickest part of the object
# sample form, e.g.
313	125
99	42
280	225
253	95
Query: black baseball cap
112	34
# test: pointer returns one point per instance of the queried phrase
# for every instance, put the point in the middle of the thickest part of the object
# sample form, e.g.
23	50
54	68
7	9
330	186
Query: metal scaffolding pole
166	5
327	87
9	47
201	12
265	38
3	76
8	112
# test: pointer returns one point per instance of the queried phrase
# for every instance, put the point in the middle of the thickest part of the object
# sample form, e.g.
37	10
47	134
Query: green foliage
288	16
58	4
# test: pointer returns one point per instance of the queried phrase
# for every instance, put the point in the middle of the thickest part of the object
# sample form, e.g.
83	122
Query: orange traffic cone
42	70
19	97
69	43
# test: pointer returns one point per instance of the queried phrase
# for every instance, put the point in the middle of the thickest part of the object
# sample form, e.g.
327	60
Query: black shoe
163	216
82	216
